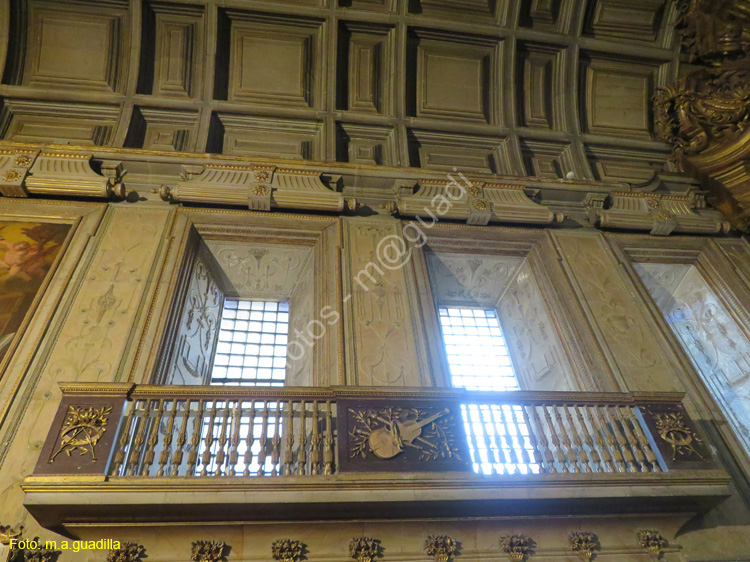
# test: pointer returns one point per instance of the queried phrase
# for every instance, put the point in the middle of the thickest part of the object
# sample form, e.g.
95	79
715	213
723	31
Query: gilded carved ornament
7	533
209	551
128	552
672	428
288	550
652	541
365	549
583	543
441	547
82	429
517	547
40	555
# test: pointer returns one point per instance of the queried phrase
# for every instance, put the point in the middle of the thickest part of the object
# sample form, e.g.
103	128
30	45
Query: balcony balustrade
283	450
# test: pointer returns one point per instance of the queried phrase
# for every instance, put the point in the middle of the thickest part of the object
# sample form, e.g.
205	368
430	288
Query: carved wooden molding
655	213
259	188
61	174
478	203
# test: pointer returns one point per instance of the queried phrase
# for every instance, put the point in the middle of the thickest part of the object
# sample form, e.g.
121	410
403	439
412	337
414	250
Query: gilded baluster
635	444
601	449
248	458
301	449
542	453
178	453
570	452
555	440
315	441
263	441
609	432
196	439
166	445
276	441
234	444
288	455
328	441
206	459
621	441
135	451
153	439
643	440
577	439
221	453
120	466
588	440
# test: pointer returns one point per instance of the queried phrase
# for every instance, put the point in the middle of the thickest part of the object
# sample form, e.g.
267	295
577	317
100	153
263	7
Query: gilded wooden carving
517	547
82	430
652	541
209	551
128	552
584	543
288	550
441	547
672	429
365	549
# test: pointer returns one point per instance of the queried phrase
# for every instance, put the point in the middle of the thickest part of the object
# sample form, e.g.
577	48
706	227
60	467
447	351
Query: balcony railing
142	435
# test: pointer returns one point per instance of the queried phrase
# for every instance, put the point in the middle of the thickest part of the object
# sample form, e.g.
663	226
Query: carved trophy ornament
7	533
387	432
441	547
82	430
652	541
128	552
209	551
583	543
288	550
364	549
672	429
517	547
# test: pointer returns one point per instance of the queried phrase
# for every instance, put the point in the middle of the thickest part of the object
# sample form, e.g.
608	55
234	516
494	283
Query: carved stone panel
194	345
388	436
635	348
715	343
386	351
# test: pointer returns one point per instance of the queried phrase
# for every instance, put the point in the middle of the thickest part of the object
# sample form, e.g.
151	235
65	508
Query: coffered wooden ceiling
512	87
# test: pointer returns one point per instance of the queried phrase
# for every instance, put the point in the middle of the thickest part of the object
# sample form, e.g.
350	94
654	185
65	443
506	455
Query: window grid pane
478	358
251	350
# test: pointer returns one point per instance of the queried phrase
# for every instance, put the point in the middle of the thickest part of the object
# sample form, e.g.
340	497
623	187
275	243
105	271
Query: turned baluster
263	441
643	440
178	453
153	439
621	412
248	458
588	439
120	466
596	429
301	450
493	456
166	445
276	441
315	441
609	437
234	444
206	459
577	438
570	452
135	451
288	453
621	441
542	452
196	439
328	441
555	440
221	454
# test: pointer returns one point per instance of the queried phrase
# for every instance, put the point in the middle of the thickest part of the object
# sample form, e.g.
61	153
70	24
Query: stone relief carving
385	350
717	346
260	270
299	371
198	327
633	344
531	336
471	280
101	318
